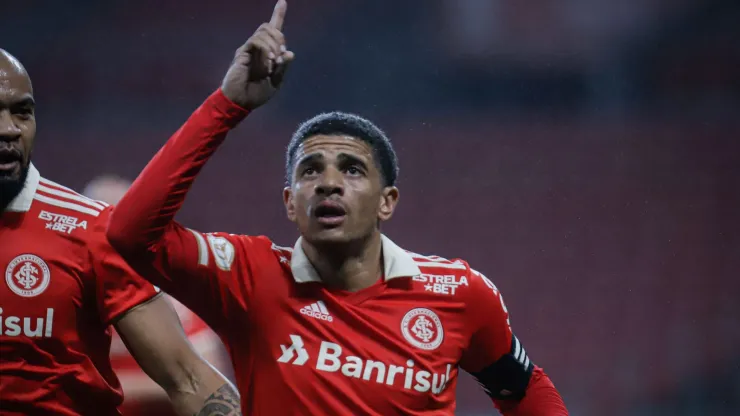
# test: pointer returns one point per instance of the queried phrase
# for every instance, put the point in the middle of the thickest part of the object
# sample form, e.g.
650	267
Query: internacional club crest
422	328
27	275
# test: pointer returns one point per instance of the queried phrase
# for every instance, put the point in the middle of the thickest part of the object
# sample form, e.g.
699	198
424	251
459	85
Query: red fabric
54	341
542	399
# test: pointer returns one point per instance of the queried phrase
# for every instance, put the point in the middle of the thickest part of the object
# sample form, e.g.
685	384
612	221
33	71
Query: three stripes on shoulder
52	193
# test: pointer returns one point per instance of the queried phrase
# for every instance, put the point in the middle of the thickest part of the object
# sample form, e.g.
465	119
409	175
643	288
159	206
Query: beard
12	187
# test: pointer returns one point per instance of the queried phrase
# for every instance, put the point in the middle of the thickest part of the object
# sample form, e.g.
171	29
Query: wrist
233	113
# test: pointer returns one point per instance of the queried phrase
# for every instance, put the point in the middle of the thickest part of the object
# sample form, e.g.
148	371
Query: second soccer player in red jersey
63	286
346	322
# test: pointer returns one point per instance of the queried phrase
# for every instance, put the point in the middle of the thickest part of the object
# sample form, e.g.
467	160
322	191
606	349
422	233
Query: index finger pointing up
278	14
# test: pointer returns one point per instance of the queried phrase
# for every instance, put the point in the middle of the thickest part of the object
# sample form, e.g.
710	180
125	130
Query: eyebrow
310	158
25	100
346	158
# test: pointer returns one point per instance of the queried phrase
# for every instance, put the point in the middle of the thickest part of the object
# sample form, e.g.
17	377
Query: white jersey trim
71	195
35	184
22	202
458	265
66	205
397	263
437	262
202	248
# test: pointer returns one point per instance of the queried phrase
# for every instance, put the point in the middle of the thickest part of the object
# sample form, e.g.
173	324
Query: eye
24	113
353	170
308	172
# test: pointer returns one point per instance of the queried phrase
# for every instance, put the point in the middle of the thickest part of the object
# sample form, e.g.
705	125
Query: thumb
279	72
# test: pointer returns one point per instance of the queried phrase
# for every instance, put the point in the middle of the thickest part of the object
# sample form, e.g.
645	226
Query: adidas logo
317	310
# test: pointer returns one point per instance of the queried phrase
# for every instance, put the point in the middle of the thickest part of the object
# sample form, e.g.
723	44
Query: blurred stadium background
584	154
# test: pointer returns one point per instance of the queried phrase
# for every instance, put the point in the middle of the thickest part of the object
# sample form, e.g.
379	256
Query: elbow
119	235
116	235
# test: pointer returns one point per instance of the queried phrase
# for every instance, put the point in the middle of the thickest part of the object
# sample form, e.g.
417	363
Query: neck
352	267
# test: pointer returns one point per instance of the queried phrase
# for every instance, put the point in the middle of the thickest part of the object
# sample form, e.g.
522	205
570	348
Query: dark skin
17	127
152	331
259	66
342	170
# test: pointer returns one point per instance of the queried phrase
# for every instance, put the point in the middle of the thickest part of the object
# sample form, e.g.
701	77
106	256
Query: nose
330	183
9	131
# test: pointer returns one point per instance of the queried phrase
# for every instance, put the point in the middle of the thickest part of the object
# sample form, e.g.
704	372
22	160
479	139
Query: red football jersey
63	285
298	347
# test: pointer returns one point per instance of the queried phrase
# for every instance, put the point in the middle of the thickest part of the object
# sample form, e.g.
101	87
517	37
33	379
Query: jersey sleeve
498	359
208	273
118	287
495	356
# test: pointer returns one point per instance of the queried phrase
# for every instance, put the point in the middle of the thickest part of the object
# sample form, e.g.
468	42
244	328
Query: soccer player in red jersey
63	286
346	322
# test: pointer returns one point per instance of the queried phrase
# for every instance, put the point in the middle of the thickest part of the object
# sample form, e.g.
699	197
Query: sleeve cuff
232	113
115	315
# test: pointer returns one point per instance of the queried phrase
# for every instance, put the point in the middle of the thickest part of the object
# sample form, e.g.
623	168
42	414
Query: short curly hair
338	123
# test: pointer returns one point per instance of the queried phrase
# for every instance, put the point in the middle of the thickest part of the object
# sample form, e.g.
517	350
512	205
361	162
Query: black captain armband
509	376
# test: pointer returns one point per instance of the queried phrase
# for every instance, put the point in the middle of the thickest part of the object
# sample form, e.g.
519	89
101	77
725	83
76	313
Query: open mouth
330	213
10	160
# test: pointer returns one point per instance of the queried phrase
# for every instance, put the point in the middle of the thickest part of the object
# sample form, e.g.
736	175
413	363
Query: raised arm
193	267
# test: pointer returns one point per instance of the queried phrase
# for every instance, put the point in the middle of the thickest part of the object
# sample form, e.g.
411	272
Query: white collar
22	202
396	263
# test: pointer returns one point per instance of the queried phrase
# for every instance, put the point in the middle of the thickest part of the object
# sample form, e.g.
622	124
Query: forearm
222	401
138	386
215	396
154	337
143	214
541	399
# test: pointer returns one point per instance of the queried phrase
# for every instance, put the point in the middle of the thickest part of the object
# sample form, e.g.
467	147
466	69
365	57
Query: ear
388	202
288	201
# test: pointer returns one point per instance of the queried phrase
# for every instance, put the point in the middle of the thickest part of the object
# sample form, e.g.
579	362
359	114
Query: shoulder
453	276
226	248
68	212
454	280
431	263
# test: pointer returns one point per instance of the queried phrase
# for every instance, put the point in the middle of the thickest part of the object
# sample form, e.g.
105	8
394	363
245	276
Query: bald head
11	68
17	126
7	58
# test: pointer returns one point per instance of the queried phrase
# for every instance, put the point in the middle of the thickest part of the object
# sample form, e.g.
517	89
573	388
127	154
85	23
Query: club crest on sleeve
422	328
223	251
27	275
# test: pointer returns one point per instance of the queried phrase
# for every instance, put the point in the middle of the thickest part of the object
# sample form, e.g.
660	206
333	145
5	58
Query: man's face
337	193
17	125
